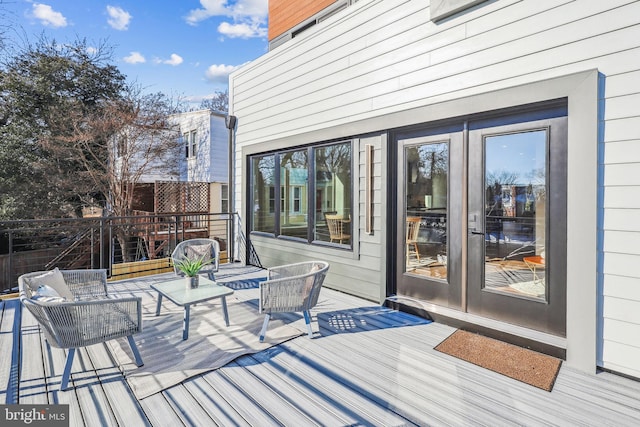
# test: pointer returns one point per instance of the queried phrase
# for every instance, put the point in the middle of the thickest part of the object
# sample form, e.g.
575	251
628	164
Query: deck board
33	386
365	365
10	348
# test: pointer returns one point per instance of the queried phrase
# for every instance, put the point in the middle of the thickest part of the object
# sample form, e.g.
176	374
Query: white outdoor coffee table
179	294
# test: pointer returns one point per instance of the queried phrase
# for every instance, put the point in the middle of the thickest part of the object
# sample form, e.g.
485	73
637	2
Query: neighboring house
201	156
205	153
511	131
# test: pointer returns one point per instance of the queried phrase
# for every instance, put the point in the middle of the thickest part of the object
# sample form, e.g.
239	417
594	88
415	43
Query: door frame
582	347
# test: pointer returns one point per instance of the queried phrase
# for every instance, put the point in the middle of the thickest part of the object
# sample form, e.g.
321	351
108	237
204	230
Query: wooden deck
366	365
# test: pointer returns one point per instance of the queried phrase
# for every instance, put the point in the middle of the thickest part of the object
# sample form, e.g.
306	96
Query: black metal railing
104	242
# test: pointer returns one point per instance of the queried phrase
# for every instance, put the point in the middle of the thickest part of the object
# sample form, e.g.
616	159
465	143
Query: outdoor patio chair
292	288
74	310
196	248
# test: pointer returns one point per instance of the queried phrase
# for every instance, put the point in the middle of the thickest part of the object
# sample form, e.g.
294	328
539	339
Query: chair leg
67	369
134	349
307	320
263	331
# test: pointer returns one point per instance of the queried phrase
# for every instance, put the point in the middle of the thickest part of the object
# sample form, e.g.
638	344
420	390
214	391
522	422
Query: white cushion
46	293
53	279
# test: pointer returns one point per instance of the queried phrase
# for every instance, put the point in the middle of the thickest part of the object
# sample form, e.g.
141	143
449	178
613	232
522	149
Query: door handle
481	233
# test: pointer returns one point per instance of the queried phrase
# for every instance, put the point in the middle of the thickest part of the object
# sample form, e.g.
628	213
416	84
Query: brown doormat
528	366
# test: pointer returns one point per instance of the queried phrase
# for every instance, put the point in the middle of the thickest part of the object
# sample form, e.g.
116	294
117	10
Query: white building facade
509	130
205	146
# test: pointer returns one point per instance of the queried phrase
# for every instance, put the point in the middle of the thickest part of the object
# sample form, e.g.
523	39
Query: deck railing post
11	272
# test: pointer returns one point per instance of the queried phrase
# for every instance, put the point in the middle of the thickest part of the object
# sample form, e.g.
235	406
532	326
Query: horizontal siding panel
623	357
622	265
414	90
536	43
621	309
324	51
622	332
622	107
622	287
537	53
622	242
524	21
622	174
622	152
622	197
623	84
622	129
622	219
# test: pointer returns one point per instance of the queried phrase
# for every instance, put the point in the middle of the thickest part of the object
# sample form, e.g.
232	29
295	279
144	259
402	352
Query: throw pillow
199	251
53	279
46	293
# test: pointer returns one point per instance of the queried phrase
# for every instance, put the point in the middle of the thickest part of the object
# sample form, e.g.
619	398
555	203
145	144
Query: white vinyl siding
206	131
380	58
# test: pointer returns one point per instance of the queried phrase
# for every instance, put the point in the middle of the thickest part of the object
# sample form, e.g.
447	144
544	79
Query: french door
482	219
429	236
517	224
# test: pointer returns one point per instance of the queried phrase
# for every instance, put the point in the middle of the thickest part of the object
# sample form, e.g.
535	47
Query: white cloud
48	16
175	59
219	73
135	58
119	18
242	30
249	16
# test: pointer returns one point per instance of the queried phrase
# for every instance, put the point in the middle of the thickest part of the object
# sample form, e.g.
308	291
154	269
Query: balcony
365	365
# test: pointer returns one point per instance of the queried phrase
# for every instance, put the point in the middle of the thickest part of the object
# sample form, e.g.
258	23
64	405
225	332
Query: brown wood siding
286	14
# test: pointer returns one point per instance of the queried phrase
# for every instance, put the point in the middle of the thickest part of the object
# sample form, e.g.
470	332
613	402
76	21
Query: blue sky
184	48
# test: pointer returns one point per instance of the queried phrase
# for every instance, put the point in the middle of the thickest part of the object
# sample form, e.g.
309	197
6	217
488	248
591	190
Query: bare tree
218	102
129	140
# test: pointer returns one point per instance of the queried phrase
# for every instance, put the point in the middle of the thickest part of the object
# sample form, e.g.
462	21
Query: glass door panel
429	186
426	214
515	213
516	255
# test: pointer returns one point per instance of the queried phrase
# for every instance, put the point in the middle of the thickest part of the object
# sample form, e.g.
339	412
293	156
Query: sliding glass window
294	187
314	189
263	191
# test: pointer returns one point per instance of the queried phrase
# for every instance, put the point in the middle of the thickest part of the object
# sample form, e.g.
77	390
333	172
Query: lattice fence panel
173	197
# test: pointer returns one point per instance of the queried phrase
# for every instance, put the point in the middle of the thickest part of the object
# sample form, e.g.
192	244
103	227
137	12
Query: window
194	144
294	183
185	141
224	198
333	192
310	183
263	193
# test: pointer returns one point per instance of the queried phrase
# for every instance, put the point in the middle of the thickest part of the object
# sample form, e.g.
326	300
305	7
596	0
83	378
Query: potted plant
190	267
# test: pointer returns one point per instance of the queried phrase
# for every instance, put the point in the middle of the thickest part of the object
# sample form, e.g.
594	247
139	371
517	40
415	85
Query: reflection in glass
333	193
515	202
426	180
264	209
294	185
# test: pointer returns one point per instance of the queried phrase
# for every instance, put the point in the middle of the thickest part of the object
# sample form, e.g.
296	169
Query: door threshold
528	338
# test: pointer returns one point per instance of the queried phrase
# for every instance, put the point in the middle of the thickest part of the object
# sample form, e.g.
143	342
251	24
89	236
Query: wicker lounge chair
82	314
292	288
196	248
